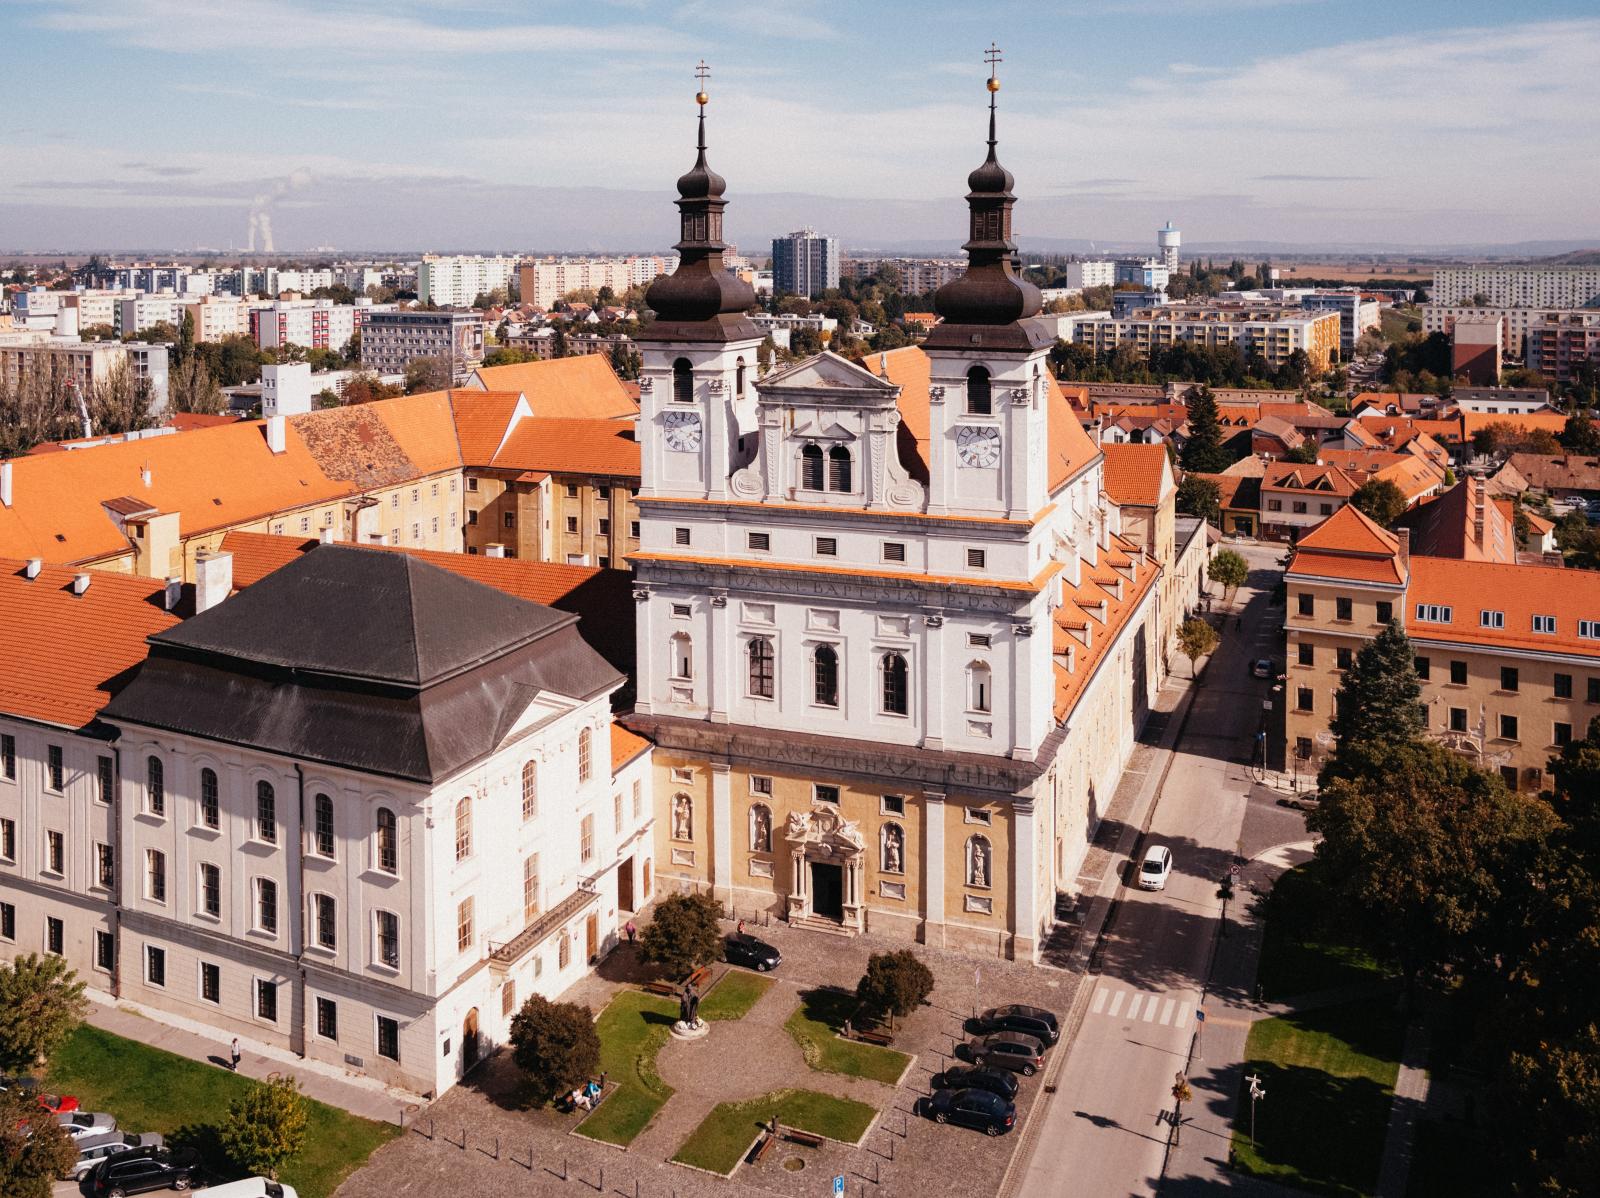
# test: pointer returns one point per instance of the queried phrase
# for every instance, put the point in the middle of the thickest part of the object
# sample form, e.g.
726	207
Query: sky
522	125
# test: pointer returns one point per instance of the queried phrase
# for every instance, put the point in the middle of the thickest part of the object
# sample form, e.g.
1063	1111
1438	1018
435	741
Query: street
1106	1128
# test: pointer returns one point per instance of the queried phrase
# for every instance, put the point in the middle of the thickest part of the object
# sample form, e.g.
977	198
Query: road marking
1133	1006
1116	1003
1183	1016
1166	1011
1099	1003
1150	1008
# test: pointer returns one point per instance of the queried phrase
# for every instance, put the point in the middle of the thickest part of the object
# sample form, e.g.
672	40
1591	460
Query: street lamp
1257	1091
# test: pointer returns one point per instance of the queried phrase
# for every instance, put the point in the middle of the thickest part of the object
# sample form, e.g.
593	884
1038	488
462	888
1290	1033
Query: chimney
80	582
174	592
1404	535
5	484
325	534
277	433
144	475
494	550
213	578
31	570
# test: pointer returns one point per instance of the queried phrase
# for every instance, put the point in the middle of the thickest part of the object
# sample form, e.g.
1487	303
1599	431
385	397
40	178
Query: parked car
1007	1050
58	1104
252	1187
987	1112
975	1077
1042	1025
94	1149
751	953
141	1171
1155	867
79	1124
1262	667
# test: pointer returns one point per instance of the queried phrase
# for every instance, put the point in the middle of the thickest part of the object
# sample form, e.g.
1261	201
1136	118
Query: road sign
1199	1015
838	1187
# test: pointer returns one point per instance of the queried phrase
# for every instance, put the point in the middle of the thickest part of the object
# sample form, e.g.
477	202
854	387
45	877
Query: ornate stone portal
824	845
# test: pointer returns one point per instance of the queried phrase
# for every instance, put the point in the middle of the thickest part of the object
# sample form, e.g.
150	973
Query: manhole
794	1164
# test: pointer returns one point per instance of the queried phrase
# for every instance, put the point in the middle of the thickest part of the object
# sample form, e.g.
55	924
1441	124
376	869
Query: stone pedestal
698	1030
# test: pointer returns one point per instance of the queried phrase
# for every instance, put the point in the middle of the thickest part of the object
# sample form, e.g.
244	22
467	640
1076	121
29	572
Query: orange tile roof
65	652
1519	591
625	746
1311	564
1551	422
581	387
1318	480
482	418
1136	474
603	447
1415	477
1093	608
186	421
1070	448
1033	585
1350	530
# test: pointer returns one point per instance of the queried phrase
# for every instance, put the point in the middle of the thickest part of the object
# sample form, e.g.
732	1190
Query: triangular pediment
827	372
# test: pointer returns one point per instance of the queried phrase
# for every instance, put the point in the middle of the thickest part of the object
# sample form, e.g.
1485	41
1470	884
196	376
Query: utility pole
1256	1092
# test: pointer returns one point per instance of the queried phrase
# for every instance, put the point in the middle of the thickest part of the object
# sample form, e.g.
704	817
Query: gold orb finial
994	84
701	98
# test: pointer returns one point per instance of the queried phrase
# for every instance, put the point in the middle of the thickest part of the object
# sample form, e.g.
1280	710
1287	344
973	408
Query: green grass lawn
1301	954
148	1089
734	995
724	1135
1329	1080
1395	325
632	1028
813	1025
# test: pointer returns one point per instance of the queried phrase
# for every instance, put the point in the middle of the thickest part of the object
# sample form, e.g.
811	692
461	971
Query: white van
252	1187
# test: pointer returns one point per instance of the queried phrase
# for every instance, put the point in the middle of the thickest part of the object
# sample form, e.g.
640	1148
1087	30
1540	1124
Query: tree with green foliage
1200	496
1449	479
1580	435
1305	453
1203	452
555	1045
683	934
190	388
1229	570
1379	698
120	402
265	1126
1380	499
428	374
1197	639
895	984
626	361
34	1148
509	356
41	1004
183	350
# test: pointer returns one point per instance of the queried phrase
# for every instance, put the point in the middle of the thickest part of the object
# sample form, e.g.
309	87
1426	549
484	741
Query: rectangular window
8	840
827	546
464	925
1508	727
759	541
1508	678
530	887
508	997
894	551
1342	658
572	490
572	524
1433	613
638	798
1458	719
586	839
1302	747
1385	611
105	859
633	529
267	1000
826	794
327	1018
1458	673
1423	666
105	951
1300	507
1592	690
210	889
155	965
267	906
210	982
1544	624
1342	609
1325	509
388	1038
1563	735
1303	699
893	805
1274	505
388	934
680	536
155	875
1306	655
1589	630
472	484
8	921
977	559
324	825
326	916
604	527
55	772
760	784
1491	619
8	756
509	519
1563	686
55	935
55	852
616	813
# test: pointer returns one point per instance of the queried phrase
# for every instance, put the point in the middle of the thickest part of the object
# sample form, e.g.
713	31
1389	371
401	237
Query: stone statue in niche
979	870
760	829
682	818
891	848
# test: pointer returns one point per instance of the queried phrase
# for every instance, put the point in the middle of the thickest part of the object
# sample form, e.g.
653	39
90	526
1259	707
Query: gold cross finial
992	57
702	73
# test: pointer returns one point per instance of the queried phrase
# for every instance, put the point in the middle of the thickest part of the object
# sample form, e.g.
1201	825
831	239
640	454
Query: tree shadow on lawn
205	1141
832	1006
1314	1131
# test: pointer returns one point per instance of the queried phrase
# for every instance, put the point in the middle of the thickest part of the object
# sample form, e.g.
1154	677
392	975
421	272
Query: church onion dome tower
990	293
701	300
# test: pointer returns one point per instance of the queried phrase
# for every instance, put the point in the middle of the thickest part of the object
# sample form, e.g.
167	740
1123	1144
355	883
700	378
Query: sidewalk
1410	1098
359	1096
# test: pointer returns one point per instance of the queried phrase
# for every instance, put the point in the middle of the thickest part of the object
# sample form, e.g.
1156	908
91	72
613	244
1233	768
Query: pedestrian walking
631	930
740	929
234	1052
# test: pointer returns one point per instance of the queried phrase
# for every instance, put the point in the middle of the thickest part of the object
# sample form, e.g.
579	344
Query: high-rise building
1169	239
805	262
1092	273
457	280
390	340
1518	286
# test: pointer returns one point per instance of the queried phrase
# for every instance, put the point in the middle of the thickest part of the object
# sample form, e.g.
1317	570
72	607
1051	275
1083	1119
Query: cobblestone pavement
476	1140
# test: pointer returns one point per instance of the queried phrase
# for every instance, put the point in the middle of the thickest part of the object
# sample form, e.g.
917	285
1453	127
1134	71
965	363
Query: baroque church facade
893	646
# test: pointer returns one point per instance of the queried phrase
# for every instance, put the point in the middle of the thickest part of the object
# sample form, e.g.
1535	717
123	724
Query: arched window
585	755
530	790
980	862
210	800
760	828
826	669
266	813
155	786
839	469
682	381
322	807
761	681
388	854
464	829
979	402
682	656
896	697
811	472
738	378
893	849
682	817
978	687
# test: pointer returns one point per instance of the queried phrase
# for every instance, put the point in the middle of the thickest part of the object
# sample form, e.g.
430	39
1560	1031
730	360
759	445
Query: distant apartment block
805	262
457	280
1273	332
1563	343
146	311
917	275
1150	274
310	324
1518	286
1092	274
1515	322
63	361
391	340
543	281
1357	314
216	317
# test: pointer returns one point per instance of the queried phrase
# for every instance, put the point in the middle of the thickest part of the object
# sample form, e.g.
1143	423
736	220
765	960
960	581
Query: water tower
1168	239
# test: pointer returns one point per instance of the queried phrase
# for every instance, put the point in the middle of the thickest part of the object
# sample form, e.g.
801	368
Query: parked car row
54	1103
1010	1040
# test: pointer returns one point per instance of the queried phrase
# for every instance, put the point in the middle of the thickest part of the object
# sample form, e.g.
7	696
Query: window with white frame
464	829
155	785
530	790
155	875
530	887
322	838
1544	624
978	687
386	939
464	934
267	906
682	656
210	890
324	914
386	855
585	755
210	803
266	813
1491	619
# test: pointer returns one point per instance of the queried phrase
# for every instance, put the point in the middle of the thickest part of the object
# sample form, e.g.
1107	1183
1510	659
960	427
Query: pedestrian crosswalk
1116	1000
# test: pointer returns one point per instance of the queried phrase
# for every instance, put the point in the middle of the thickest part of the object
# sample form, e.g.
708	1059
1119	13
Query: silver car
94	1149
79	1124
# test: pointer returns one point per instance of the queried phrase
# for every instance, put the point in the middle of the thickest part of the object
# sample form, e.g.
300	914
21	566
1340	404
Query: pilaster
1024	886
721	830
933	870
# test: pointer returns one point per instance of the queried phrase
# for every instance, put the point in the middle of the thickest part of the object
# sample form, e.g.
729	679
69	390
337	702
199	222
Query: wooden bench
882	1039
795	1136
661	986
767	1141
700	977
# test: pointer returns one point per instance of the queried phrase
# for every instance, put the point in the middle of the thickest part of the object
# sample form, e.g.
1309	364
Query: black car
1006	1050
143	1170
976	1077
1042	1025
751	953
987	1112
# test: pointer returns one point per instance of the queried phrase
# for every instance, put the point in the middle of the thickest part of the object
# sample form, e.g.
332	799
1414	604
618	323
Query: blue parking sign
838	1187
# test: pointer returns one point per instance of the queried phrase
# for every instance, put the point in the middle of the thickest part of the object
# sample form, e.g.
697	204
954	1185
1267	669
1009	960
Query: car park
1042	1025
94	1149
141	1171
976	1077
1006	1050
1155	868
79	1124
741	949
987	1112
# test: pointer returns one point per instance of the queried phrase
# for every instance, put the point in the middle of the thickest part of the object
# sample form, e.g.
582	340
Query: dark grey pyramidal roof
362	658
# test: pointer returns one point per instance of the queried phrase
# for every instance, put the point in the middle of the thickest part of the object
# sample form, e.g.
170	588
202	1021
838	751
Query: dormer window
979	400
682	381
1491	619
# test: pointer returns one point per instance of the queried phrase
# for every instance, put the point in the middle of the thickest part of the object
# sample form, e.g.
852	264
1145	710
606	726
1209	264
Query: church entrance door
827	890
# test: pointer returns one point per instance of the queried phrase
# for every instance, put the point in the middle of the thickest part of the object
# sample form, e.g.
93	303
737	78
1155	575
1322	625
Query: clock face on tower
682	431
978	445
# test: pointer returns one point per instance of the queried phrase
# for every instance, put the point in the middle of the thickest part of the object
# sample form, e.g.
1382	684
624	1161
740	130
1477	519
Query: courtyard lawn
1329	1080
632	1028
814	1025
734	995
149	1089
720	1141
1301	954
